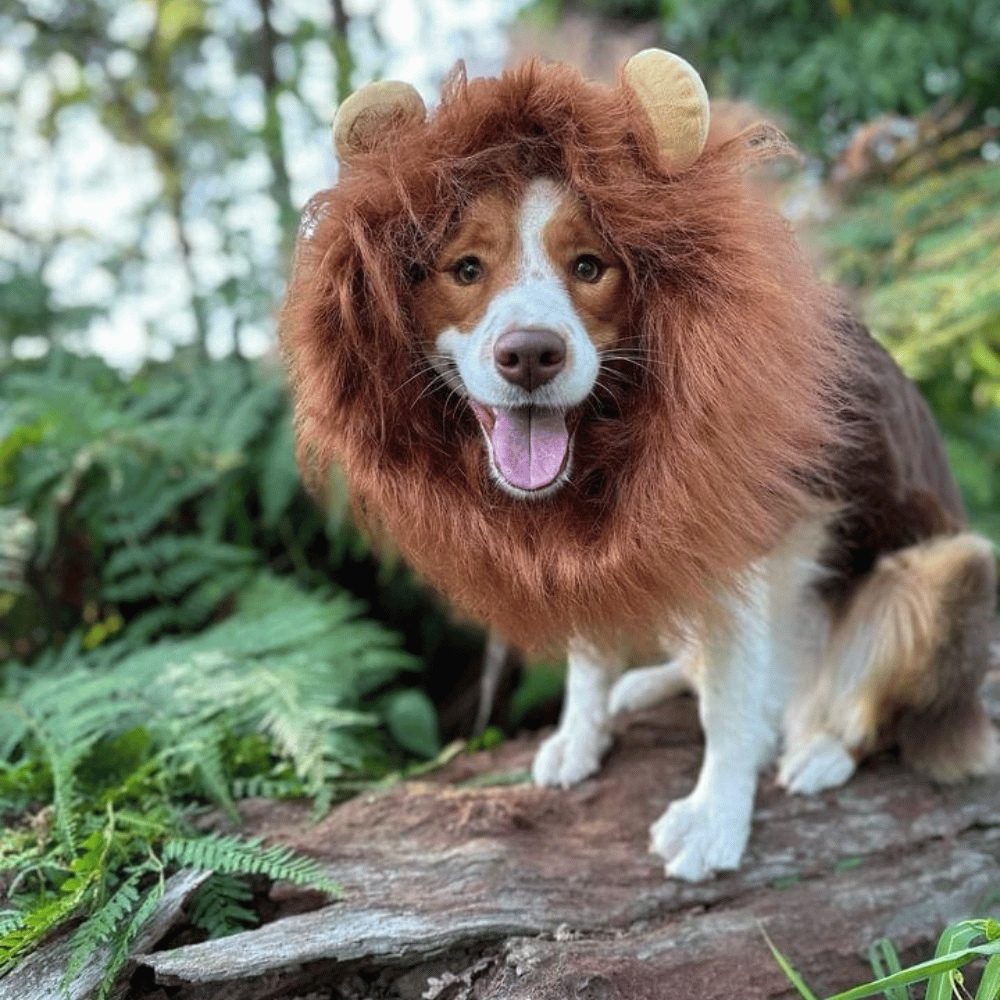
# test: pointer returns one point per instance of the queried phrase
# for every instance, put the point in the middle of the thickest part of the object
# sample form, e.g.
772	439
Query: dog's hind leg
574	751
948	736
904	663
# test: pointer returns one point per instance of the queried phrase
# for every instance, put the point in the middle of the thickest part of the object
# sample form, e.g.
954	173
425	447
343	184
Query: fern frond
260	786
104	924
149	506
14	727
37	922
245	421
122	943
174	561
217	908
279	478
199	755
236	856
65	797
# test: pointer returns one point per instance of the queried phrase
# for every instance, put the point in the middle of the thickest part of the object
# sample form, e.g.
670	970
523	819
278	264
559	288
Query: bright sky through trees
156	153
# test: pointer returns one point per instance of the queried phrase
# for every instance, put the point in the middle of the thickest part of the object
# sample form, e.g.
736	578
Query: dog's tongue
529	445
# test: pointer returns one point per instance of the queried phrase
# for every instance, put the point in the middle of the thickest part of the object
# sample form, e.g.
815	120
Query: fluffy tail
921	629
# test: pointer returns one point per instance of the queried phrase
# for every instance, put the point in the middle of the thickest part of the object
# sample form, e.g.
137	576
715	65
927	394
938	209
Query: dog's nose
529	358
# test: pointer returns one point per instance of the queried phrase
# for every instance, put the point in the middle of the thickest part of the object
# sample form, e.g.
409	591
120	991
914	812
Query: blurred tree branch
273	137
341	49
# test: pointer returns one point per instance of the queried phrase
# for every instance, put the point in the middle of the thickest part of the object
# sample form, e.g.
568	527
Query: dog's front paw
699	836
569	755
814	765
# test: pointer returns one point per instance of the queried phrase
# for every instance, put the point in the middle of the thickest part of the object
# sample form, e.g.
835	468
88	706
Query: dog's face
521	302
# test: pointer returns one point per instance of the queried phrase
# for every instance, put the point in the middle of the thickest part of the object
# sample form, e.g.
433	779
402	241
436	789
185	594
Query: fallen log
469	885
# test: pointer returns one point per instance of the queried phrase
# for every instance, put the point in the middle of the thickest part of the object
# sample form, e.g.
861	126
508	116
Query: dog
587	383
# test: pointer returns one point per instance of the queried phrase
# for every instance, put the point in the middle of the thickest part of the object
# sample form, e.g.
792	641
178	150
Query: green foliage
218	907
126	741
413	721
229	855
958	945
115	718
832	65
539	687
167	586
154	499
925	259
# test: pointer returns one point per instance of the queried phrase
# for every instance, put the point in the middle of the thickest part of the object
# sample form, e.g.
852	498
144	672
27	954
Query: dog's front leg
708	830
574	751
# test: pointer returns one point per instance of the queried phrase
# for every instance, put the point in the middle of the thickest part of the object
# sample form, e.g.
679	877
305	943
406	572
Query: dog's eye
468	270
588	268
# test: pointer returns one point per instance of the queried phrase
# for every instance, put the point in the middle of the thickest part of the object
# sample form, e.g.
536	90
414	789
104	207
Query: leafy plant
219	907
160	496
121	745
958	945
829	66
166	585
149	501
924	258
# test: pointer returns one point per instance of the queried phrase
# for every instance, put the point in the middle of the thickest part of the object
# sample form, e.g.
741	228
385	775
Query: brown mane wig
715	414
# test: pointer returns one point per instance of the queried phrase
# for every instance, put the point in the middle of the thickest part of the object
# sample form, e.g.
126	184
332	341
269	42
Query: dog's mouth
530	446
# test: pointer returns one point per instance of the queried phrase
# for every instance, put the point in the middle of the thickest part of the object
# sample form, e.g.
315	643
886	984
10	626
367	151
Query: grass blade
953	938
938	965
989	985
794	978
885	962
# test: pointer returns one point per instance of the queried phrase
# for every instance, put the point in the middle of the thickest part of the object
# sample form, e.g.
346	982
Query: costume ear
368	112
675	99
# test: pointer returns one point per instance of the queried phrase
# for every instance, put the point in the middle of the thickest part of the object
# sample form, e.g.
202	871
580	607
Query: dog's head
561	353
525	298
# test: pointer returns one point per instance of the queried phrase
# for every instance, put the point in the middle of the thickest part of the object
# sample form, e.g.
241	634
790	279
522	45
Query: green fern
260	786
158	475
41	919
121	944
236	856
105	924
218	907
176	672
128	737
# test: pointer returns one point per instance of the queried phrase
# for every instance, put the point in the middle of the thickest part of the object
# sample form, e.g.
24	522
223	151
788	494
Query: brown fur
894	474
688	466
911	595
944	730
911	646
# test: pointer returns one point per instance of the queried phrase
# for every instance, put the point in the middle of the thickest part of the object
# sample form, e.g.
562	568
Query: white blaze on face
529	444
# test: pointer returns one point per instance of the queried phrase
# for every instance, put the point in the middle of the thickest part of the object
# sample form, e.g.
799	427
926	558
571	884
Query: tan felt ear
676	101
368	112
